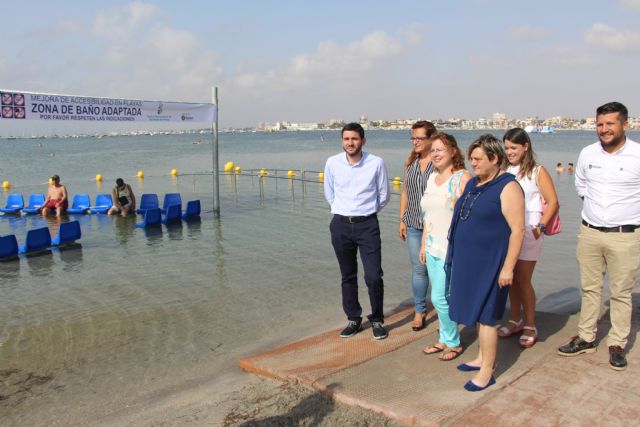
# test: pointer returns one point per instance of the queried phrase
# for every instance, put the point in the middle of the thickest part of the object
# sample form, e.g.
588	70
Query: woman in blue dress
485	237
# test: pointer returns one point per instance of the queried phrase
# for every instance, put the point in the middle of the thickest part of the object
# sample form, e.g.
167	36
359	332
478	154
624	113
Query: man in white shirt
607	177
357	188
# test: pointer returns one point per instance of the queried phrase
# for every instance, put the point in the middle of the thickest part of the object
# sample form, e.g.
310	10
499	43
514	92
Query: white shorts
531	247
126	207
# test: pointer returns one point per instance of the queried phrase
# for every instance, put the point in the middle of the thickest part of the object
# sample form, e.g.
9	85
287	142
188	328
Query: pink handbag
554	226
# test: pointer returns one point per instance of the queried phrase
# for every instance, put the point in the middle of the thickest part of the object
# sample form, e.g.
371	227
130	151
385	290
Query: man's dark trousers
347	238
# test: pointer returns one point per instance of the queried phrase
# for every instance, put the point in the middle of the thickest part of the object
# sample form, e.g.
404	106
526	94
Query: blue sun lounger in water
8	246
148	201
151	217
192	211
103	204
81	204
35	203
68	232
171	199
37	239
174	213
14	205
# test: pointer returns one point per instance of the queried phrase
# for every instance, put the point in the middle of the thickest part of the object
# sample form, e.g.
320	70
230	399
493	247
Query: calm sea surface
132	313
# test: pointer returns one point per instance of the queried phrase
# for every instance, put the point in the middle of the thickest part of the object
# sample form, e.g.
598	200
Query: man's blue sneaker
352	328
379	332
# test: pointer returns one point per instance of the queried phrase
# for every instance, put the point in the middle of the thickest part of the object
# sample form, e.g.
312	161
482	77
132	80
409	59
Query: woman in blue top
486	234
417	169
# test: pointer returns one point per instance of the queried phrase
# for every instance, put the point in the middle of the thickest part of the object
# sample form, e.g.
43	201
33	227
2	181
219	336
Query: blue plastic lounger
81	204
103	204
193	210
148	201
37	239
14	205
8	246
174	213
151	217
68	232
171	199
35	203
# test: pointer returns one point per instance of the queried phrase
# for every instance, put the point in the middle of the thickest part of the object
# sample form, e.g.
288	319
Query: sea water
130	313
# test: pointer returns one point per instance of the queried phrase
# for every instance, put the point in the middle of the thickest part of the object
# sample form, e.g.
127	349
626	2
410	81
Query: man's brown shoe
577	346
616	358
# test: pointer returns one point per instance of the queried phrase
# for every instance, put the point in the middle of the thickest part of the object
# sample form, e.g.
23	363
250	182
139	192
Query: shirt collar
620	150
344	159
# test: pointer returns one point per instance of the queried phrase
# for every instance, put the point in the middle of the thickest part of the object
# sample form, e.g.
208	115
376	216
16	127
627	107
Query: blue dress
478	242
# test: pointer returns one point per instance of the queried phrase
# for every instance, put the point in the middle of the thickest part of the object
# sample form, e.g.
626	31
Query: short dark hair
614	107
355	127
119	182
55	178
491	146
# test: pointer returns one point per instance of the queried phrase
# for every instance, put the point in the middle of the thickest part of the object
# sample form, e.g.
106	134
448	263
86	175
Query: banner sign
18	105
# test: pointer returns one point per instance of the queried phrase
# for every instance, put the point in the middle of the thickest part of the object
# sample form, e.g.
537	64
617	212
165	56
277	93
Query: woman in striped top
417	169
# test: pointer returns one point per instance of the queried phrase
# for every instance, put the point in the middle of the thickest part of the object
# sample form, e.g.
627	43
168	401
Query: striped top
415	183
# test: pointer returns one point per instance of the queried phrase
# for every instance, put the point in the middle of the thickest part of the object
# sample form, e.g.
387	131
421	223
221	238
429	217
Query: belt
354	219
618	229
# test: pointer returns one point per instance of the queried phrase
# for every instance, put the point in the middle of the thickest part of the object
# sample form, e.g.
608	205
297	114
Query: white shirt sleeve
328	183
383	186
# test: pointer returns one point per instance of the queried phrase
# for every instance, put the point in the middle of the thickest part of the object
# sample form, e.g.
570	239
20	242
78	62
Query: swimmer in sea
56	198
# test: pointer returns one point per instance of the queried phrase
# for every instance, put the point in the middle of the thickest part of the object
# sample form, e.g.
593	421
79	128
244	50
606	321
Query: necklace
464	216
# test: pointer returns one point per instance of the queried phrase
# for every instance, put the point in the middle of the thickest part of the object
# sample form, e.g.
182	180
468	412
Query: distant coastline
497	122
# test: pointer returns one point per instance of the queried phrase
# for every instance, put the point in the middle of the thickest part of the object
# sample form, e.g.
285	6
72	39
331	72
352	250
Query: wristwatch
542	227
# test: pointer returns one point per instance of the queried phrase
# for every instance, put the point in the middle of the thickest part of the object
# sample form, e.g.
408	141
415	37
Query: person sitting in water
124	201
56	198
559	168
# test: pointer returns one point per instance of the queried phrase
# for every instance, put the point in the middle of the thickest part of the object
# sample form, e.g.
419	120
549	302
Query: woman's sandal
433	349
450	353
511	328
419	321
528	341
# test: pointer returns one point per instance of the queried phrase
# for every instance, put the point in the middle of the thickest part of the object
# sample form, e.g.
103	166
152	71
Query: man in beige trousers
607	177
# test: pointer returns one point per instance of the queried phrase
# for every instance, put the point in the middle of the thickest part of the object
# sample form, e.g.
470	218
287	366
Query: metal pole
214	149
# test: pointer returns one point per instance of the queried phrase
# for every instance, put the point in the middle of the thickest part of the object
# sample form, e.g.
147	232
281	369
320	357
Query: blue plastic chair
151	217
174	213
81	204
192	211
68	232
35	203
37	239
8	246
148	201
14	205
103	204
171	199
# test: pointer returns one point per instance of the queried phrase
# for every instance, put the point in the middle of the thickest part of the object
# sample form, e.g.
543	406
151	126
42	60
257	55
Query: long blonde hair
431	130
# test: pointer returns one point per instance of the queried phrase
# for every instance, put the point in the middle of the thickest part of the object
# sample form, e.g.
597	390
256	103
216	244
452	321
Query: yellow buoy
397	181
263	172
321	176
291	174
228	167
50	182
98	178
140	174
6	185
174	172
238	170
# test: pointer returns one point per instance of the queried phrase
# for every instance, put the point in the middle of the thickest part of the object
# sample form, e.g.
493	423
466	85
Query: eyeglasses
419	138
438	150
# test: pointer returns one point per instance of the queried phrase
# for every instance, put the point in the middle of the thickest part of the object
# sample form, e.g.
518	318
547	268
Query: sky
305	61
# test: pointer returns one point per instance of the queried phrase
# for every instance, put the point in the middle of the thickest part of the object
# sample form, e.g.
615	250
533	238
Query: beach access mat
394	378
311	359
